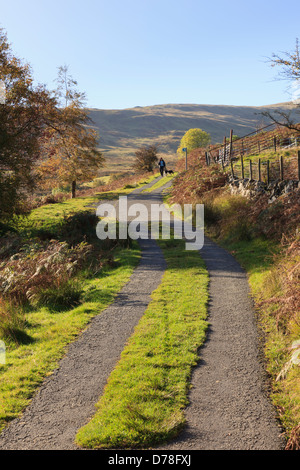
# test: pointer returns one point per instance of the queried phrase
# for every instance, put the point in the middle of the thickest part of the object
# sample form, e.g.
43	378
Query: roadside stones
250	189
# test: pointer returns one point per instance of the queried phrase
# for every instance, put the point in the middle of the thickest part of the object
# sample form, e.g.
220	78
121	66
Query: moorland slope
123	131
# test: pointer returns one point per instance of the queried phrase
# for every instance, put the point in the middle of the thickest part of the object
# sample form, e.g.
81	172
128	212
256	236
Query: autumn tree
194	138
21	127
146	158
70	148
288	64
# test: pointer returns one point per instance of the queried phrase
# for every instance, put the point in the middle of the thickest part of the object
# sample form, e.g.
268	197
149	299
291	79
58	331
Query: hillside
123	131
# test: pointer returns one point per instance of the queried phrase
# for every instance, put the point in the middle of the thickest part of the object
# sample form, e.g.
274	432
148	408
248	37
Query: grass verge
144	399
36	337
264	238
48	219
48	332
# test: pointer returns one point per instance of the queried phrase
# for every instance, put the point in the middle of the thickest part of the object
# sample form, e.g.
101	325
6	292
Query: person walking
162	166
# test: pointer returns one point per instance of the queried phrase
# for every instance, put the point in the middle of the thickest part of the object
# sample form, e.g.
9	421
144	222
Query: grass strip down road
145	396
161	182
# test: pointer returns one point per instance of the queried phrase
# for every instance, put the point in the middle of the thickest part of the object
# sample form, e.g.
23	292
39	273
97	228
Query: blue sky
127	53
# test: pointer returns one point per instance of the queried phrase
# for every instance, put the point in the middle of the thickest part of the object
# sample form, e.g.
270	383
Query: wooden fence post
259	169
224	156
268	172
250	169
275	143
232	172
230	149
298	165
281	167
242	163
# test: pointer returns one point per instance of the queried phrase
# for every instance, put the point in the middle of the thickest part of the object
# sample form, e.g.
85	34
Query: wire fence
272	137
267	170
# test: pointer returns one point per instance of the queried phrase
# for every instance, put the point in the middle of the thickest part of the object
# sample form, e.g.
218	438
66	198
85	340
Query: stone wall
274	189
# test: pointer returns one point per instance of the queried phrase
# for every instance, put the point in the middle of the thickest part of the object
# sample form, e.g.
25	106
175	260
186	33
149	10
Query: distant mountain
123	131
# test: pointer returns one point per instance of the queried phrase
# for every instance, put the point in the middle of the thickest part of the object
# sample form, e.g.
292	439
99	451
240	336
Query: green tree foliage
146	158
21	126
194	138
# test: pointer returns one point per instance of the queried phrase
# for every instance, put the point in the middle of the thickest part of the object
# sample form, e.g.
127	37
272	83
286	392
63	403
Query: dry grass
117	181
286	274
294	440
12	321
46	272
191	185
34	269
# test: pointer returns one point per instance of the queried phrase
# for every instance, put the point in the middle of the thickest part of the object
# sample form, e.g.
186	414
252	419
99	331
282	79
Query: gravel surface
66	400
229	408
229	405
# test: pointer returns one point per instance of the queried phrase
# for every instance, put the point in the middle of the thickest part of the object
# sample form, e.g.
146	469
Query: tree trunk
73	189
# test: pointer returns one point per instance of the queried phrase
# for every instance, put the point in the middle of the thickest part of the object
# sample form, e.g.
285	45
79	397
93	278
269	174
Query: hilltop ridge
123	131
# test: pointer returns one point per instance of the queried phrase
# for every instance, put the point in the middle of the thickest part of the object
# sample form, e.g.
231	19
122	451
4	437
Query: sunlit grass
46	331
49	332
161	182
49	218
144	400
289	157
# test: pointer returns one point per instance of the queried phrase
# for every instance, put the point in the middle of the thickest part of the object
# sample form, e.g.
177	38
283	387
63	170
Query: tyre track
229	405
66	400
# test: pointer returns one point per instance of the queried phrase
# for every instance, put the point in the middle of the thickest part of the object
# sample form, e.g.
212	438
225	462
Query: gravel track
229	407
66	400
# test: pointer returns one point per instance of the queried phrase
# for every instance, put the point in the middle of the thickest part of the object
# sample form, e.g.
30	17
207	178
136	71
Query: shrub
146	158
37	268
63	295
197	182
10	243
284	278
79	227
12	322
